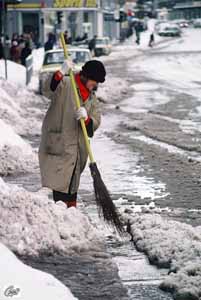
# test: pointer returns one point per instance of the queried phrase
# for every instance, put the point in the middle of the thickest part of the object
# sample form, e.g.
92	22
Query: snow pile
19	107
13	69
26	282
174	245
31	224
16	155
112	89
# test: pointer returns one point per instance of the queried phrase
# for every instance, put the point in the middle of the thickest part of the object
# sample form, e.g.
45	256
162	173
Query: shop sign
75	3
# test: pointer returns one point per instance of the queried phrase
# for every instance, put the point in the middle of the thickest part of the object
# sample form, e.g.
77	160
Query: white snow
190	41
174	245
26	282
32	224
180	71
16	72
16	155
20	108
112	90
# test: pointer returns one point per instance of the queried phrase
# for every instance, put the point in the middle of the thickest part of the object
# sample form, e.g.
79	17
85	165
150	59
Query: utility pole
4	22
4	29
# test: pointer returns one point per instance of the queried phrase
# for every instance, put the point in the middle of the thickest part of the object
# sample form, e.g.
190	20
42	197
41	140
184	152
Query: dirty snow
28	283
32	224
18	108
16	155
174	245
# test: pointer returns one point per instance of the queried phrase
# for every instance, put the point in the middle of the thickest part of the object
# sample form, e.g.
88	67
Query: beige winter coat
62	149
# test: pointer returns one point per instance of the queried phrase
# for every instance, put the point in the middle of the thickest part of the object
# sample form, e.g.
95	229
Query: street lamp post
4	4
4	19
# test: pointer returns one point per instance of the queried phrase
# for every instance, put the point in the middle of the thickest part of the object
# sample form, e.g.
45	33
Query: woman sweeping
62	152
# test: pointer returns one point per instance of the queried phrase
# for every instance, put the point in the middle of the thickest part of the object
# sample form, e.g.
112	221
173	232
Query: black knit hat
94	70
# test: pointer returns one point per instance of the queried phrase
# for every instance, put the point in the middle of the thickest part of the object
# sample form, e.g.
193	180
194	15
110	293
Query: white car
182	23
53	60
103	46
170	31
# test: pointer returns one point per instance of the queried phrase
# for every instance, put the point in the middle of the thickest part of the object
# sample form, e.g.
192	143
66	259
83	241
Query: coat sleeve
48	91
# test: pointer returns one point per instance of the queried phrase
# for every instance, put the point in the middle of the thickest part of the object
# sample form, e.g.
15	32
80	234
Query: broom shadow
106	207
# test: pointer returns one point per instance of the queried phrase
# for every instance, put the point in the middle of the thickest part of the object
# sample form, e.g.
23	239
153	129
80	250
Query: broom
106	207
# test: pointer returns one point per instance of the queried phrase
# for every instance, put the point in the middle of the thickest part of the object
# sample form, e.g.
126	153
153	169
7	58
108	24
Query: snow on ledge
173	245
20	281
32	224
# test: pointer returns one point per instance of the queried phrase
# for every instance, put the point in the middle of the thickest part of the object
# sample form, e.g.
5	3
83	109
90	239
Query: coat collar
84	92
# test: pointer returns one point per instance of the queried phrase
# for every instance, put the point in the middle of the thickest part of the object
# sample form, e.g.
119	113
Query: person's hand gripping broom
106	207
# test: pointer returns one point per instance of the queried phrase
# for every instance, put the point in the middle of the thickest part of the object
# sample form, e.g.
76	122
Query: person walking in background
50	42
138	30
92	45
26	51
151	28
15	52
151	40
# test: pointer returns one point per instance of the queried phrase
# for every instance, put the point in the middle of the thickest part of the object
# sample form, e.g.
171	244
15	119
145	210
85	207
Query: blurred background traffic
93	25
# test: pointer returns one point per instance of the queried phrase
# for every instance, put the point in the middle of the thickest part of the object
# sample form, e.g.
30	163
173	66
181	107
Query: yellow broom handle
77	101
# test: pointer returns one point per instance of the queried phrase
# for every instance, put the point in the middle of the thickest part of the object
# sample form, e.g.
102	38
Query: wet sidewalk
89	276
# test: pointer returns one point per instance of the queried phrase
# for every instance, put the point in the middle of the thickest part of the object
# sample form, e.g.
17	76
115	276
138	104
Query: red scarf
84	92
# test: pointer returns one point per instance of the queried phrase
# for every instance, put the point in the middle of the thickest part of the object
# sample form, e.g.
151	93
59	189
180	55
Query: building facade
180	9
186	9
39	17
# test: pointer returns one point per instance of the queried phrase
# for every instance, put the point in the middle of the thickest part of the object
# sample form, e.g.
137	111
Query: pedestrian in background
151	40
26	51
138	30
15	52
50	42
92	45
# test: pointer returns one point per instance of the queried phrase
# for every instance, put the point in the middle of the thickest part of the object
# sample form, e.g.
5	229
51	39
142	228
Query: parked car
170	31
103	46
181	23
53	60
197	23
